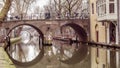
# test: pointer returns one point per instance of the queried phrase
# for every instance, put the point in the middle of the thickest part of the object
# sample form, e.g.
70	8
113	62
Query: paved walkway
5	62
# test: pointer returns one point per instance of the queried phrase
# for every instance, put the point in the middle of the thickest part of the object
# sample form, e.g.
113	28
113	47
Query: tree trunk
5	10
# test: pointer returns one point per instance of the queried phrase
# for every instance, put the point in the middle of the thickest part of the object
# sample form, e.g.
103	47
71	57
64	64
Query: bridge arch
78	28
37	58
82	49
77	25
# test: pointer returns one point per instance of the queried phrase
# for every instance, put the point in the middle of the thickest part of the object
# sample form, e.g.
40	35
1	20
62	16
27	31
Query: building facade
107	14
104	28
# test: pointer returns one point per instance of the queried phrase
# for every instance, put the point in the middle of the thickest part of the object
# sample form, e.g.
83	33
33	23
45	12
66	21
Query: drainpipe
118	23
118	16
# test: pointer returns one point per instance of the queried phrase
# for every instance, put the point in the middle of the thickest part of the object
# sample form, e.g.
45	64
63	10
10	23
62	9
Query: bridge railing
47	16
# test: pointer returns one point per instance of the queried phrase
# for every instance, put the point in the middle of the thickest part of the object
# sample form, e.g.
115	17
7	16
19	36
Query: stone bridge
52	24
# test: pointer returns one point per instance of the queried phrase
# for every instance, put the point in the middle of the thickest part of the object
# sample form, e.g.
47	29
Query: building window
92	8
97	36
103	65
104	8
101	7
97	40
96	7
111	0
98	10
103	23
97	52
111	8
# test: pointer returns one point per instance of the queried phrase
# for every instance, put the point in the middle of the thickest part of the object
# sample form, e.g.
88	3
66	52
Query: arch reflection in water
66	50
69	52
25	36
29	46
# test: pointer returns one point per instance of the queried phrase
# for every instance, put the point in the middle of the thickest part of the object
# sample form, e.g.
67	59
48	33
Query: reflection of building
104	29
98	34
107	14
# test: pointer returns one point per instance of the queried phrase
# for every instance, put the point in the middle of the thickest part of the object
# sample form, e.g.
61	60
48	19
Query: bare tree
55	7
5	9
63	7
85	10
72	6
47	9
21	7
37	10
59	4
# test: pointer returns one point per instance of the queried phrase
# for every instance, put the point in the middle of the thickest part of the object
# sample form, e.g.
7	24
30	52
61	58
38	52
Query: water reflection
65	50
25	35
27	49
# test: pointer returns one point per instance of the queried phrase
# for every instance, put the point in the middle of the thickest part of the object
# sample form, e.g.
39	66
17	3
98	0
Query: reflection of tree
18	31
21	54
24	52
65	49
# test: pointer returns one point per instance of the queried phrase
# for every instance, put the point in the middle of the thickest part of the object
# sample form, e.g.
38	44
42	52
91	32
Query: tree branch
5	10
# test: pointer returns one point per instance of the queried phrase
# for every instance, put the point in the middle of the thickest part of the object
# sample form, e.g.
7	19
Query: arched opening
112	39
72	52
25	45
112	33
